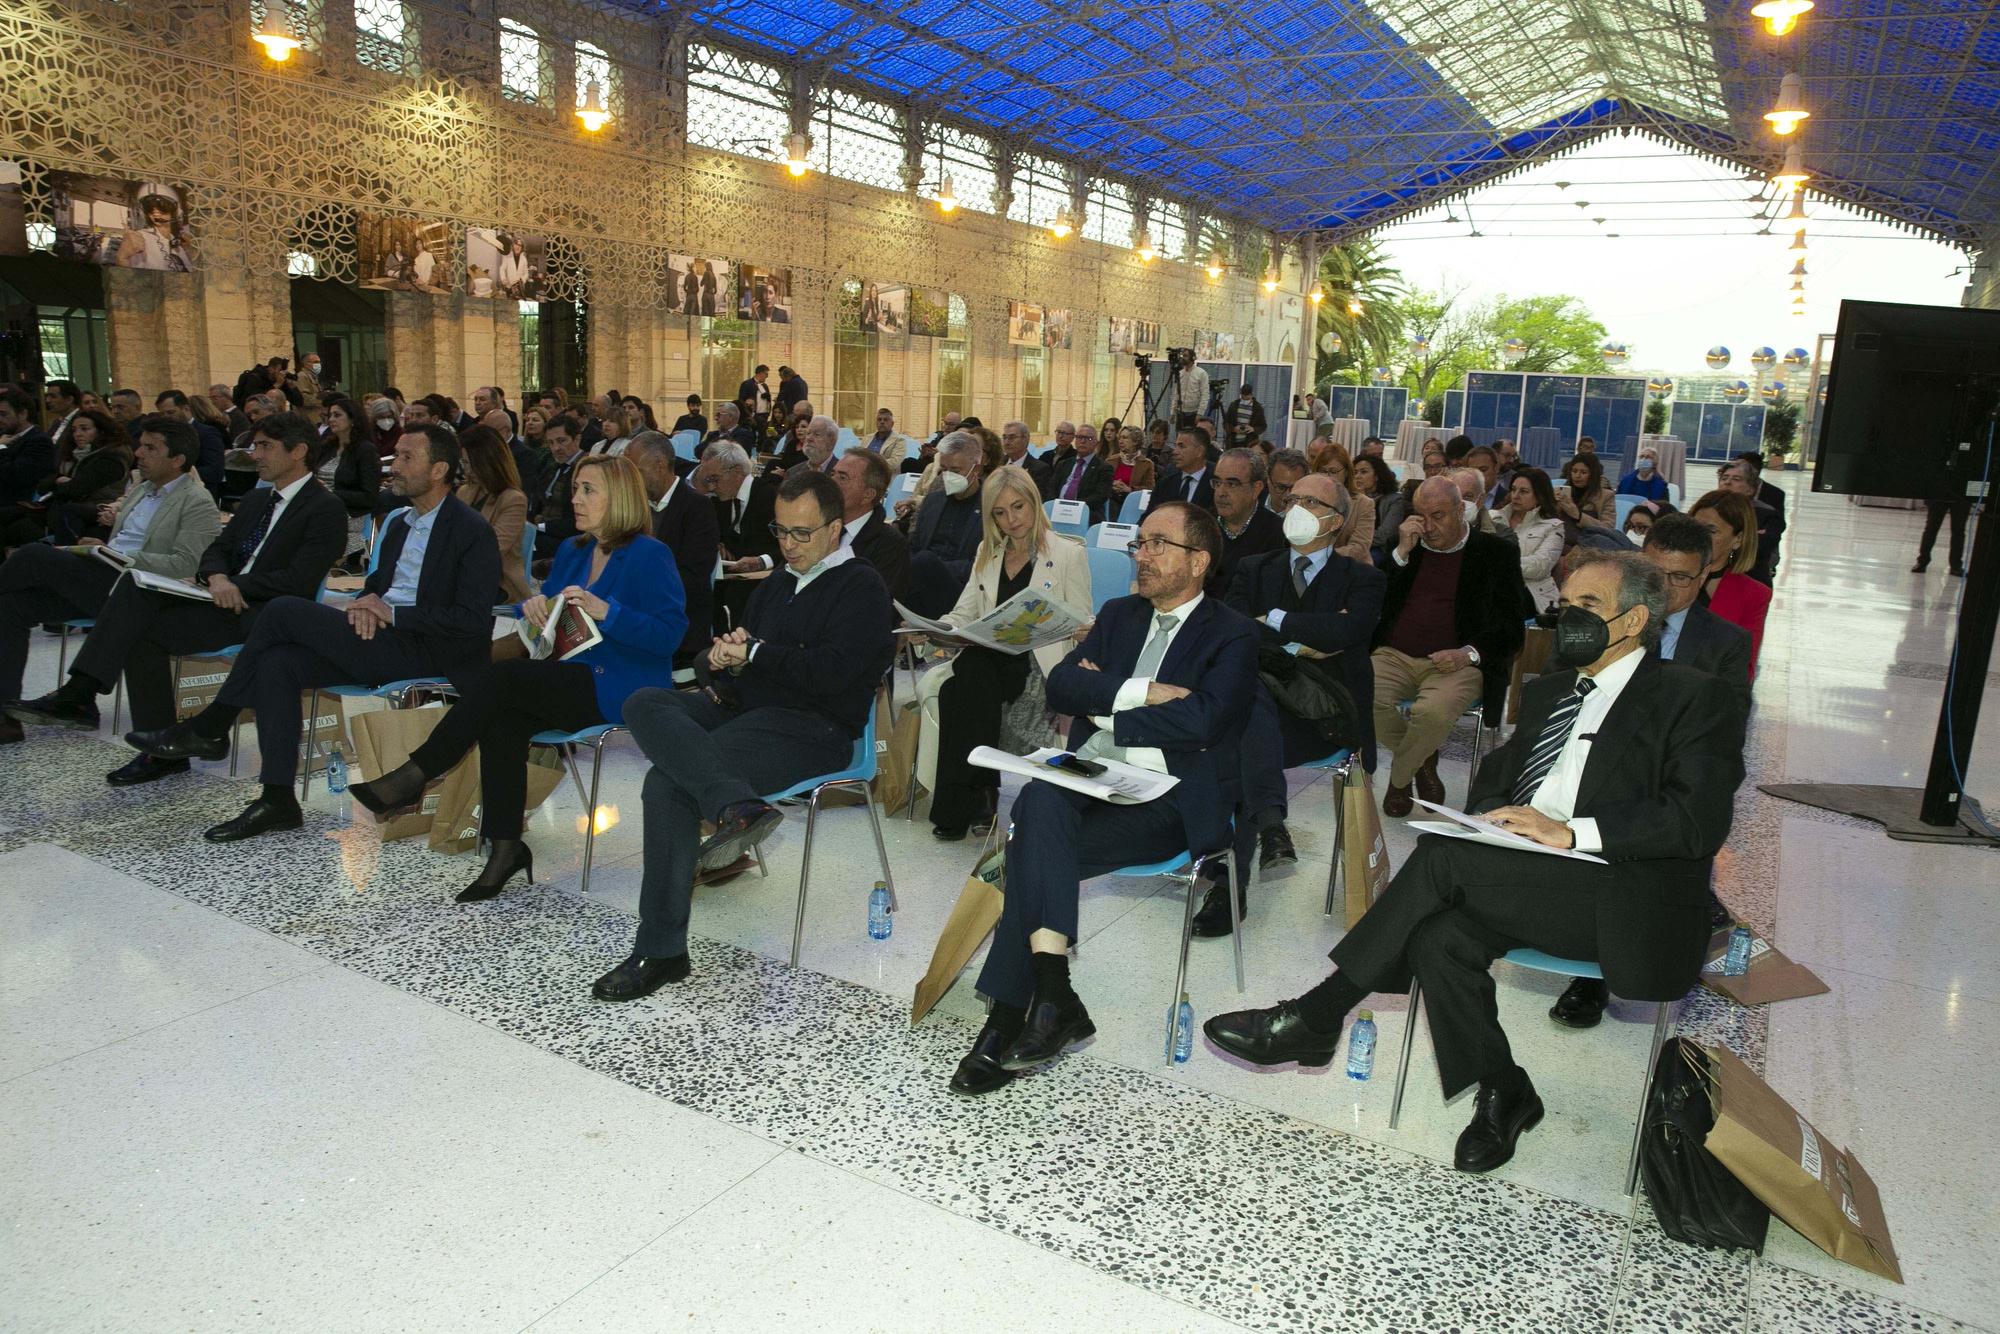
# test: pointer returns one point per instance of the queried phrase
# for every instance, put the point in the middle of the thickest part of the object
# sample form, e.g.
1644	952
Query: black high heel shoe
395	793
507	856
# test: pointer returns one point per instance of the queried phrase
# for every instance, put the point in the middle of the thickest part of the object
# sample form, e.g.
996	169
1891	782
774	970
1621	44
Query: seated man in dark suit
684	520
1626	757
863	478
1745	476
792	688
1190	478
1164	682
209	465
945	530
1248	529
281	542
728	426
1014	445
744	510
1312	596
27	454
427	611
1692	636
1451	625
555	517
1080	471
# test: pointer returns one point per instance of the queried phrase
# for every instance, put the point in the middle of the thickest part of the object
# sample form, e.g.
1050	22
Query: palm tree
1359	273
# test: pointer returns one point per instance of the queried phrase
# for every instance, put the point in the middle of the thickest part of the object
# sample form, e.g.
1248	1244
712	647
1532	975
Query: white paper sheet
1457	824
1122	784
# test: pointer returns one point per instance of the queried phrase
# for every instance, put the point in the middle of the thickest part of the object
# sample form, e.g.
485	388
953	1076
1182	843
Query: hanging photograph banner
508	264
1130	335
1216	345
763	294
1024	324
13	211
134	224
930	312
697	286
1057	327
402	254
885	308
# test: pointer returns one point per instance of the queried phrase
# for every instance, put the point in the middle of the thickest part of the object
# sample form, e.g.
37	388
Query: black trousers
705	757
40	584
935	583
297	644
970	704
138	632
1936	512
1062	838
1451	911
498	713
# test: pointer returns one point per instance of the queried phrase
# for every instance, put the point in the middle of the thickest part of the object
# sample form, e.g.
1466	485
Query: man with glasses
1285	468
1248	529
1077	471
787	693
1164	682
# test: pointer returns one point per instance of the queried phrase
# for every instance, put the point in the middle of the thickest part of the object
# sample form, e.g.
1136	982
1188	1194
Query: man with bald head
534	463
1451	624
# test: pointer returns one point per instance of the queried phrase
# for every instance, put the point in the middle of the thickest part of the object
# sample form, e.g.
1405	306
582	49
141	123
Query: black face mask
1582	637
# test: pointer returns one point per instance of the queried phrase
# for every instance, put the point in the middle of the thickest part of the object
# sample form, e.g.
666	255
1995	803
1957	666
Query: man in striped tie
1627	758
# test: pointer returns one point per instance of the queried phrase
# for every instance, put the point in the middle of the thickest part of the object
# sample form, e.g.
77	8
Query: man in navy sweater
789	691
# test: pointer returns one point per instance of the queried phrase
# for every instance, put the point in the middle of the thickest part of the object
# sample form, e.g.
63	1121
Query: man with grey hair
1618	754
685	521
816	441
743	515
729	426
887	441
1248	529
945	531
1014	445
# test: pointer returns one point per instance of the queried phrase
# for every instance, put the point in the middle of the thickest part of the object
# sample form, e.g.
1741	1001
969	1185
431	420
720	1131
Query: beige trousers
1439	699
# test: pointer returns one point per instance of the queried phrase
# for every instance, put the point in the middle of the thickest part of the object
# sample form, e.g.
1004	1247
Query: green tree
1359	274
1560	332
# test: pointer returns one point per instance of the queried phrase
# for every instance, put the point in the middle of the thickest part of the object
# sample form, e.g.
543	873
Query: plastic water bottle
879	922
1361	1047
336	771
1737	961
1183	1031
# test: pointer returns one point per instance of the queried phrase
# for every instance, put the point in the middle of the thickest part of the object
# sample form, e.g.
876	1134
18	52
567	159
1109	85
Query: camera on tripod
1142	362
1180	358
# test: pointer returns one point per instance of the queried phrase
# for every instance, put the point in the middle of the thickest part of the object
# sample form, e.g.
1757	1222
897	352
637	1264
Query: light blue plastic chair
1536	961
1042	451
687	444
845	440
859	772
1110	575
1070	517
594	736
1189	871
1134	508
1113	536
1625	504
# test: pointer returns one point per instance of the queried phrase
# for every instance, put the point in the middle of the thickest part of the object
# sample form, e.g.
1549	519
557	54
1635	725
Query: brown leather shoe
723	874
1429	786
1396	801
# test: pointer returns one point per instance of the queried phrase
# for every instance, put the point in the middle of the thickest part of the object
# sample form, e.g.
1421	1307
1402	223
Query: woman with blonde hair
622	578
968	702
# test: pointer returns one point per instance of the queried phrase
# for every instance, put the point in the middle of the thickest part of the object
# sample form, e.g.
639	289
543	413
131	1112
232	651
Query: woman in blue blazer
623	579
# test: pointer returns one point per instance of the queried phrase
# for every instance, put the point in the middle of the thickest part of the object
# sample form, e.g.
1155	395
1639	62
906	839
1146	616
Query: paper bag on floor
895	754
455	827
1812	1184
383	740
1770	977
971	921
1365	858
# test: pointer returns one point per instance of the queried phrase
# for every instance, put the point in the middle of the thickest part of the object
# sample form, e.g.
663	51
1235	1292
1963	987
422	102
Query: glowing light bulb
1060	228
1270	280
947	197
592	112
1794	174
1317	295
1214	267
796	148
1781	16
275	37
1785	116
1143	246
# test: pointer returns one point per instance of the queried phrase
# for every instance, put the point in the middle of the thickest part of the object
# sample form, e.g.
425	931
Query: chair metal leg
1333	872
1236	908
569	759
1662	1027
590	811
1409	1045
805	876
1192	879
235	743
312	746
881	848
62	658
117	702
1478	744
762	870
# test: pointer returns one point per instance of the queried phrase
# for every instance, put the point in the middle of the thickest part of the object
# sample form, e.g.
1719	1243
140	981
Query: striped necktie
1555	734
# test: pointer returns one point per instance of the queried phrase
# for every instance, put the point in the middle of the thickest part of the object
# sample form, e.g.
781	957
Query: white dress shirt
1132	695
285	497
660	505
1556	797
131	534
410	560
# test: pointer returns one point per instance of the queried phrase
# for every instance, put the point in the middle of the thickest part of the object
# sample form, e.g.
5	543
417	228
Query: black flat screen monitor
1909	401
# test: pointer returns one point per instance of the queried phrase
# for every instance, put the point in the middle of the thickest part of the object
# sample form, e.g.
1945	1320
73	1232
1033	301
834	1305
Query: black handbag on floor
1696	1198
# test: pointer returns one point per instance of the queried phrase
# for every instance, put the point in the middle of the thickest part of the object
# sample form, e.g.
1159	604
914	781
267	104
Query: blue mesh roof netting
1337	116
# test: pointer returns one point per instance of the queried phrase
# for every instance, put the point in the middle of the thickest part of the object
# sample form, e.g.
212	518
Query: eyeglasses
1680	579
1314	502
799	535
1232	483
1153	546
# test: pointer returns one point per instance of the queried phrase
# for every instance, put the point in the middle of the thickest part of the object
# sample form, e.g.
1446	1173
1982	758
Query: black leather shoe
1920	567
260	817
505	857
397	792
56	710
1582	1005
1498	1120
1275	848
1051	1028
981	1071
144	769
178	742
1396	801
1213	918
943	834
10	730
1429	786
1272	1037
741	827
638	977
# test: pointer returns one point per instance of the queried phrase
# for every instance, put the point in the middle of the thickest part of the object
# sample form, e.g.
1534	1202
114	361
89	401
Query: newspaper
1477	830
1121	784
180	588
1029	620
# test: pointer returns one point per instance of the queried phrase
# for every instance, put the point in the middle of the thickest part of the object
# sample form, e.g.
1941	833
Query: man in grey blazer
164	523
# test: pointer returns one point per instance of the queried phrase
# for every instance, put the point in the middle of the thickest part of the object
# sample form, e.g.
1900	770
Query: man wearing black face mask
1633	760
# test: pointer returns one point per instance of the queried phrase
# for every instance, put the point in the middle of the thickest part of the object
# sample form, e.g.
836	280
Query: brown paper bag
1770	977
1812	1184
895	754
971	921
196	681
455	827
383	740
1365	858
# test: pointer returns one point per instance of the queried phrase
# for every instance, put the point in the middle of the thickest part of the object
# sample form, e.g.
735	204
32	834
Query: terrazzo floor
292	1085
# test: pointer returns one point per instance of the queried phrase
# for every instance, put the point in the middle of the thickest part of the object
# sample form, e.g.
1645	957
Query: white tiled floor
292	1085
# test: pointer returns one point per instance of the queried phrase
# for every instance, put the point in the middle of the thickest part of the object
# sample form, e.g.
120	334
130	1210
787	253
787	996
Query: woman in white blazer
965	700
1537	524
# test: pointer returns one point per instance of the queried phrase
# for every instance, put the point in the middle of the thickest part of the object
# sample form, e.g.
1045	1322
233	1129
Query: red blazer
1741	600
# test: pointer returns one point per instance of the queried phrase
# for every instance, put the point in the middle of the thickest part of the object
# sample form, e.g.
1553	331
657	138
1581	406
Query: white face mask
1301	526
1471	514
955	484
1645	464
